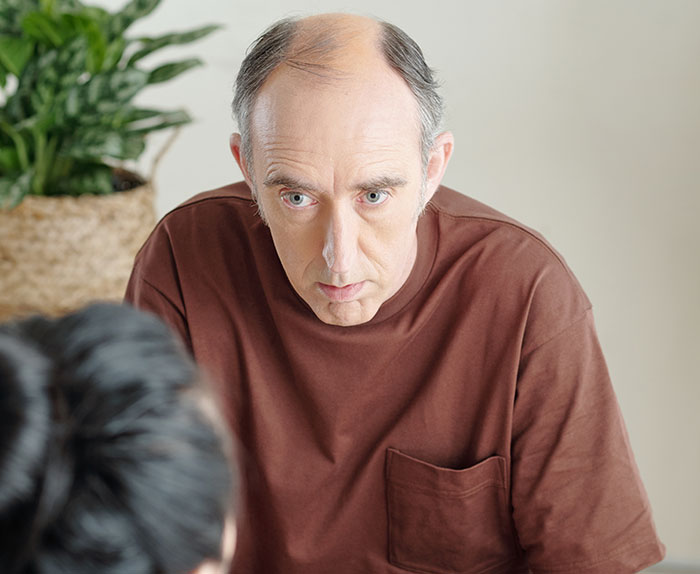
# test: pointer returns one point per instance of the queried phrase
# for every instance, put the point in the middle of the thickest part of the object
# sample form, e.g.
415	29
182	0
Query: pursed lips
345	293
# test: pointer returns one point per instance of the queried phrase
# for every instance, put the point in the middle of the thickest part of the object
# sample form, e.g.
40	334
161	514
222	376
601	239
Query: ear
235	143
438	159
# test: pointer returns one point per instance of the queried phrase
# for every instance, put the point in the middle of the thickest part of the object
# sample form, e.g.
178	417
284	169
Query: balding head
332	47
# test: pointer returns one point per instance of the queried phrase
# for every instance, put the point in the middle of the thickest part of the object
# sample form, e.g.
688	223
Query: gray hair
272	48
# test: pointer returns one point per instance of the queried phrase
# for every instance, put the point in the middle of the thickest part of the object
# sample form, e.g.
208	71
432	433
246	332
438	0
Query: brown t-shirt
469	427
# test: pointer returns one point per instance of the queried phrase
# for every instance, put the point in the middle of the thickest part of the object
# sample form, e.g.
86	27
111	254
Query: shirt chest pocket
448	521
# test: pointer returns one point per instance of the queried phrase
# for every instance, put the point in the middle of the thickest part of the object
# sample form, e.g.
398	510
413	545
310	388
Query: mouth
345	293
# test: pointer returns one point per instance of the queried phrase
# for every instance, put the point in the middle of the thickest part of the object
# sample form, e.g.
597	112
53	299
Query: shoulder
511	264
214	203
233	191
456	204
470	218
209	216
207	228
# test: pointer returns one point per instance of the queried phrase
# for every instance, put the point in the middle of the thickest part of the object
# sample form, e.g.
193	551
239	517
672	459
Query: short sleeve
579	504
154	284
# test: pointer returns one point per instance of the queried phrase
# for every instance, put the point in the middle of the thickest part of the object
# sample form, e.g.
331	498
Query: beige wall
581	118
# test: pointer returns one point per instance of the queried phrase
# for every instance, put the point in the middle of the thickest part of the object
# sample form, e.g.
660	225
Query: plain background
580	118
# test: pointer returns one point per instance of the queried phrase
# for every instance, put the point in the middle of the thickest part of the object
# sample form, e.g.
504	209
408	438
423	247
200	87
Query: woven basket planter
59	253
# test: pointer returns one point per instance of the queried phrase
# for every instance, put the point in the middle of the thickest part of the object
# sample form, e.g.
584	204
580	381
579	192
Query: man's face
338	174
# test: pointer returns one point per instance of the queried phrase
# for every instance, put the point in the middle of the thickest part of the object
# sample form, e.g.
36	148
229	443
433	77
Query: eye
375	197
297	199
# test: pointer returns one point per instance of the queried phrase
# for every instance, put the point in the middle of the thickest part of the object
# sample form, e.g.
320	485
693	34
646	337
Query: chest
441	387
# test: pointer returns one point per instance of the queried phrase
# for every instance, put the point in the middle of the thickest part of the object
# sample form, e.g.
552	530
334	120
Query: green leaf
14	189
72	104
161	121
72	113
15	52
67	5
95	144
124	116
47	5
98	48
71	64
41	121
136	114
107	94
150	45
129	14
42	65
70	6
113	54
123	85
84	26
169	71
43	28
43	99
12	12
143	120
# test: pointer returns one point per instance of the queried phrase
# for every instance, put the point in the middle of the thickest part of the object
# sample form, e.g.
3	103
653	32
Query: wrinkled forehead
371	107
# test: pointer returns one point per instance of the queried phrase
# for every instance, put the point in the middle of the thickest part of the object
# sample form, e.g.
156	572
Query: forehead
361	117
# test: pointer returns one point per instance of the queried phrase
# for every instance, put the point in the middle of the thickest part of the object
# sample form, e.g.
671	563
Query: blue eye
375	197
296	199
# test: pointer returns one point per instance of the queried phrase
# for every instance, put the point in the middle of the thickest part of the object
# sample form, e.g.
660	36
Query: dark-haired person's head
111	461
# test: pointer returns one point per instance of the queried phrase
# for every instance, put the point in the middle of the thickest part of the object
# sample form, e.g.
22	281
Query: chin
347	314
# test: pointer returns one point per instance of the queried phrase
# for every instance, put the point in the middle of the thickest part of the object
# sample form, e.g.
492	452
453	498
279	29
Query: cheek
297	247
390	239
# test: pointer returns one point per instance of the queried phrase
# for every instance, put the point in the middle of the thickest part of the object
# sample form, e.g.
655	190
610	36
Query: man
415	378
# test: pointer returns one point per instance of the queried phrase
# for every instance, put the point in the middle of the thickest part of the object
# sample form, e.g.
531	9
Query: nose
340	245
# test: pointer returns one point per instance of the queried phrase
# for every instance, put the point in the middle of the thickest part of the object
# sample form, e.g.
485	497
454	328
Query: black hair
109	462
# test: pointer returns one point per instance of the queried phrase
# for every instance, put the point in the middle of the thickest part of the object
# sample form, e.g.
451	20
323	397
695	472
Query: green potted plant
71	218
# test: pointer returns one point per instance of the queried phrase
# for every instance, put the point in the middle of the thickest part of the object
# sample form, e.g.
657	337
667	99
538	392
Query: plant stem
50	160
45	154
20	146
39	162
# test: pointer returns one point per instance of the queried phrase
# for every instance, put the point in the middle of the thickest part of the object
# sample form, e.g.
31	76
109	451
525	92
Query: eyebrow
376	184
287	181
380	183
